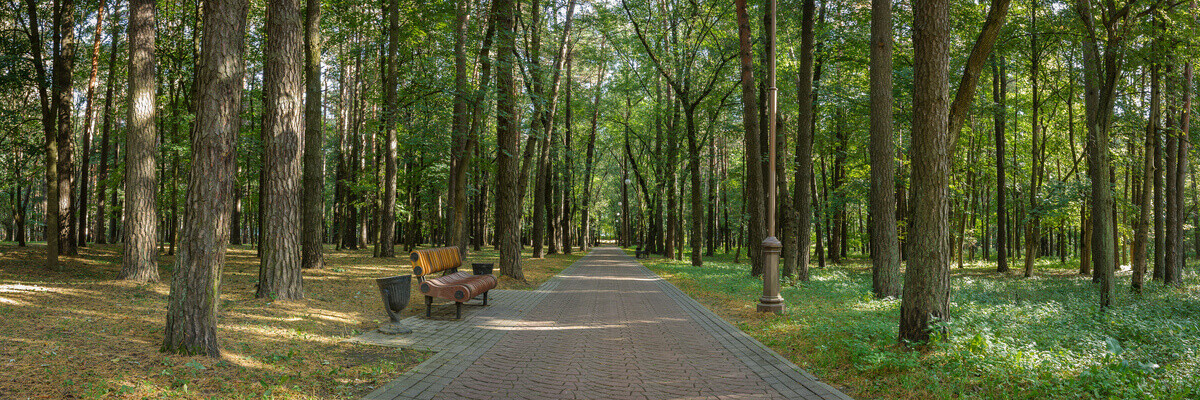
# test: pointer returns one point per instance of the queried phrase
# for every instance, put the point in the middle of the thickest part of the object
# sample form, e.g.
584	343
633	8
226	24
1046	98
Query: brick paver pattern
607	328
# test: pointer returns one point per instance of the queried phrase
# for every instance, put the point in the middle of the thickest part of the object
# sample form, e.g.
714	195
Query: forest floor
80	334
1010	337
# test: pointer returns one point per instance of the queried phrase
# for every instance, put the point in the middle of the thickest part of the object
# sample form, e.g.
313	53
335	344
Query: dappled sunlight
1009	336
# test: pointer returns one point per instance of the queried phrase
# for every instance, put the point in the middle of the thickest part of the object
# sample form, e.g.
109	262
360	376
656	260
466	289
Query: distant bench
454	286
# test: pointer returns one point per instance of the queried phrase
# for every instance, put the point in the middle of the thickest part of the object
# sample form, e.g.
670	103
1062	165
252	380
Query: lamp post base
774	305
771	301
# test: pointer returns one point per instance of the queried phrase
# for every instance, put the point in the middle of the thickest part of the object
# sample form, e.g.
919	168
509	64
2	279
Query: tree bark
385	247
927	281
754	184
141	226
1141	234
885	244
507	191
195	285
460	156
88	129
105	143
64	109
50	136
1000	99
313	229
279	275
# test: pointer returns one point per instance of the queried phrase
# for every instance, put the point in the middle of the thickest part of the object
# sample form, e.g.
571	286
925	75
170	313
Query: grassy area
1010	337
80	334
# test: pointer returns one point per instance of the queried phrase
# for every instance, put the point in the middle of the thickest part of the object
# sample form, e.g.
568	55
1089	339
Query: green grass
1009	337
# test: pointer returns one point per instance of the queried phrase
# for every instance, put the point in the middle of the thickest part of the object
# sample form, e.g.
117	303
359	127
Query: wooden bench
452	285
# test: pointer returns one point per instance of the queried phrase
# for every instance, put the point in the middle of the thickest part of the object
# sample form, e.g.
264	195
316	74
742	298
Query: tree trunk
1000	99
88	129
460	155
50	137
885	245
798	238
279	275
195	285
385	247
754	185
1036	165
313	229
508	215
105	143
1141	235
64	109
927	281
141	209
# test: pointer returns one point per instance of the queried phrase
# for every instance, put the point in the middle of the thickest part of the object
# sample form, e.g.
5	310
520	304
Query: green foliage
1009	338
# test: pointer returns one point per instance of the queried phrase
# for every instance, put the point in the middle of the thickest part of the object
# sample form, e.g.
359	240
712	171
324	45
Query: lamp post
771	301
624	204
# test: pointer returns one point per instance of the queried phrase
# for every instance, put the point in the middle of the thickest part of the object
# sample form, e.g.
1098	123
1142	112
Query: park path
605	328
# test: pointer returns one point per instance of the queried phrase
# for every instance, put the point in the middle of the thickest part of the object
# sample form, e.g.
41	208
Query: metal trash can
482	268
395	291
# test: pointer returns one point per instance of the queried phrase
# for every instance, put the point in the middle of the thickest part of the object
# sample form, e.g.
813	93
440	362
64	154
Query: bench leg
428	306
457	310
485	298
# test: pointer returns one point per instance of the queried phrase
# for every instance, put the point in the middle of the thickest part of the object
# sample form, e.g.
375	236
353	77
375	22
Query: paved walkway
605	328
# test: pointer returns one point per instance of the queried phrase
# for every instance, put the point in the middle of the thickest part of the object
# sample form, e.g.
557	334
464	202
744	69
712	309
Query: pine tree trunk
195	285
141	226
927	280
279	275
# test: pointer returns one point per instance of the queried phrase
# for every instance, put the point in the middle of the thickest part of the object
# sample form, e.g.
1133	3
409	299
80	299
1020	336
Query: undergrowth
1009	337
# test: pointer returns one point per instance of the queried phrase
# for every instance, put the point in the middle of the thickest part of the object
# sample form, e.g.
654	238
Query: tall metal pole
771	301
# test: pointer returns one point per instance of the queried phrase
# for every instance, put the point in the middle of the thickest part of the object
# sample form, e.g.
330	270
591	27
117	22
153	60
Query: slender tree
313	218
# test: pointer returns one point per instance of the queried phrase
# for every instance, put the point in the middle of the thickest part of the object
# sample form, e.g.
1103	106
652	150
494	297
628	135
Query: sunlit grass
1010	337
80	334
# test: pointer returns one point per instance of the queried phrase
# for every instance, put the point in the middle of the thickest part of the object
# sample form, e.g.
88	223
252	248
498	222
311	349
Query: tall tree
313	217
754	185
798	239
64	109
999	113
1037	156
885	244
279	275
89	128
1141	234
49	133
105	141
385	247
460	156
508	211
927	280
196	282
141	226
